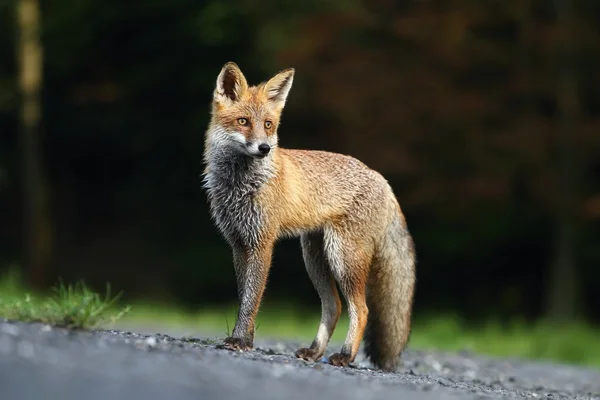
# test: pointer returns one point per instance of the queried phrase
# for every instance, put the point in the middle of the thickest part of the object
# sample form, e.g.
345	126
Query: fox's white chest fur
232	182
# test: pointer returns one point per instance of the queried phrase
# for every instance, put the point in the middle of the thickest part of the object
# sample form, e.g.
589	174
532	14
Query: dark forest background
484	115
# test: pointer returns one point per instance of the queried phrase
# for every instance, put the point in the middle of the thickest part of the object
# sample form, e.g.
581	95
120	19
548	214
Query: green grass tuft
69	306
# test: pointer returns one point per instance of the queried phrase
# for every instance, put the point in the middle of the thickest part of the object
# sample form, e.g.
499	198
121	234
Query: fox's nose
264	148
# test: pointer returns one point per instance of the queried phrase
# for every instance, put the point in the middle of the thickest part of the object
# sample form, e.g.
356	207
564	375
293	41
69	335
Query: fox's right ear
231	84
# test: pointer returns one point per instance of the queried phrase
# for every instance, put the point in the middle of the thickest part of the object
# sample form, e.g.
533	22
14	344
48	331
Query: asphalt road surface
41	362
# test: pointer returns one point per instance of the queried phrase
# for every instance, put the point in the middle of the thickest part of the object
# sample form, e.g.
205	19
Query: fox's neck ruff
231	180
230	170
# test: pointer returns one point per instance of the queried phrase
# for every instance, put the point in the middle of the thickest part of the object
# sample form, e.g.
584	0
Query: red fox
352	231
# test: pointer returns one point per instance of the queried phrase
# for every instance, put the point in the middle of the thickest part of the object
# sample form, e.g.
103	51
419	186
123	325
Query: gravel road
40	362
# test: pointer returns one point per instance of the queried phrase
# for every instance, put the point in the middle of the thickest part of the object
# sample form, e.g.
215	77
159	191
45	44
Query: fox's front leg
252	266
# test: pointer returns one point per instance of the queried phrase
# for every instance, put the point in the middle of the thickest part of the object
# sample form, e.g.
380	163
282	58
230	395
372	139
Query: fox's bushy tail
390	296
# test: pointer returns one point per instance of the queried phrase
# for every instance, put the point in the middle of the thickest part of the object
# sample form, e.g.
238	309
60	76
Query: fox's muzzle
258	149
264	148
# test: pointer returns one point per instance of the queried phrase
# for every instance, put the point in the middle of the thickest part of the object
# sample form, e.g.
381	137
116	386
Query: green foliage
573	343
69	306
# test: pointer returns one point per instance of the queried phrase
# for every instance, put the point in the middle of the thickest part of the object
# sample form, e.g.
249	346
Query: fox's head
245	118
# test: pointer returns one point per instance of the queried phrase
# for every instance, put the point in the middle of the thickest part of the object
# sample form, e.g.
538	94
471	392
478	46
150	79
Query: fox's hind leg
350	259
323	281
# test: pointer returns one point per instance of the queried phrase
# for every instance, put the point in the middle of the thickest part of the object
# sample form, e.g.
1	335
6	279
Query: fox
353	233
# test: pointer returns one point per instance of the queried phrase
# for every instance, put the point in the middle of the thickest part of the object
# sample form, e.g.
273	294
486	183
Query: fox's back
344	174
315	187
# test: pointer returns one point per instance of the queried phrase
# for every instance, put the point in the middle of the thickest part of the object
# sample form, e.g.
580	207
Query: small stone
470	374
437	367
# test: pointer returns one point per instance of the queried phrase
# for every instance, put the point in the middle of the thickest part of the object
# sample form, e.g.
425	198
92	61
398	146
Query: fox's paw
340	360
235	344
308	354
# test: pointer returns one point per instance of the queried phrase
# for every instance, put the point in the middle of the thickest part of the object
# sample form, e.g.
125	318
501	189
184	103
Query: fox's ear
279	86
231	84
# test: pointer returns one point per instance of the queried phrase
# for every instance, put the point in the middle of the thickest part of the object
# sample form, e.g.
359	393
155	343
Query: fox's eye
268	124
242	121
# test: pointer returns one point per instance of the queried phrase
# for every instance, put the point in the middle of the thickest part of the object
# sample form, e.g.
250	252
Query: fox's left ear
279	86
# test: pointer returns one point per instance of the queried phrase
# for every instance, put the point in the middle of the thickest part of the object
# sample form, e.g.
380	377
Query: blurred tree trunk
564	290
38	242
